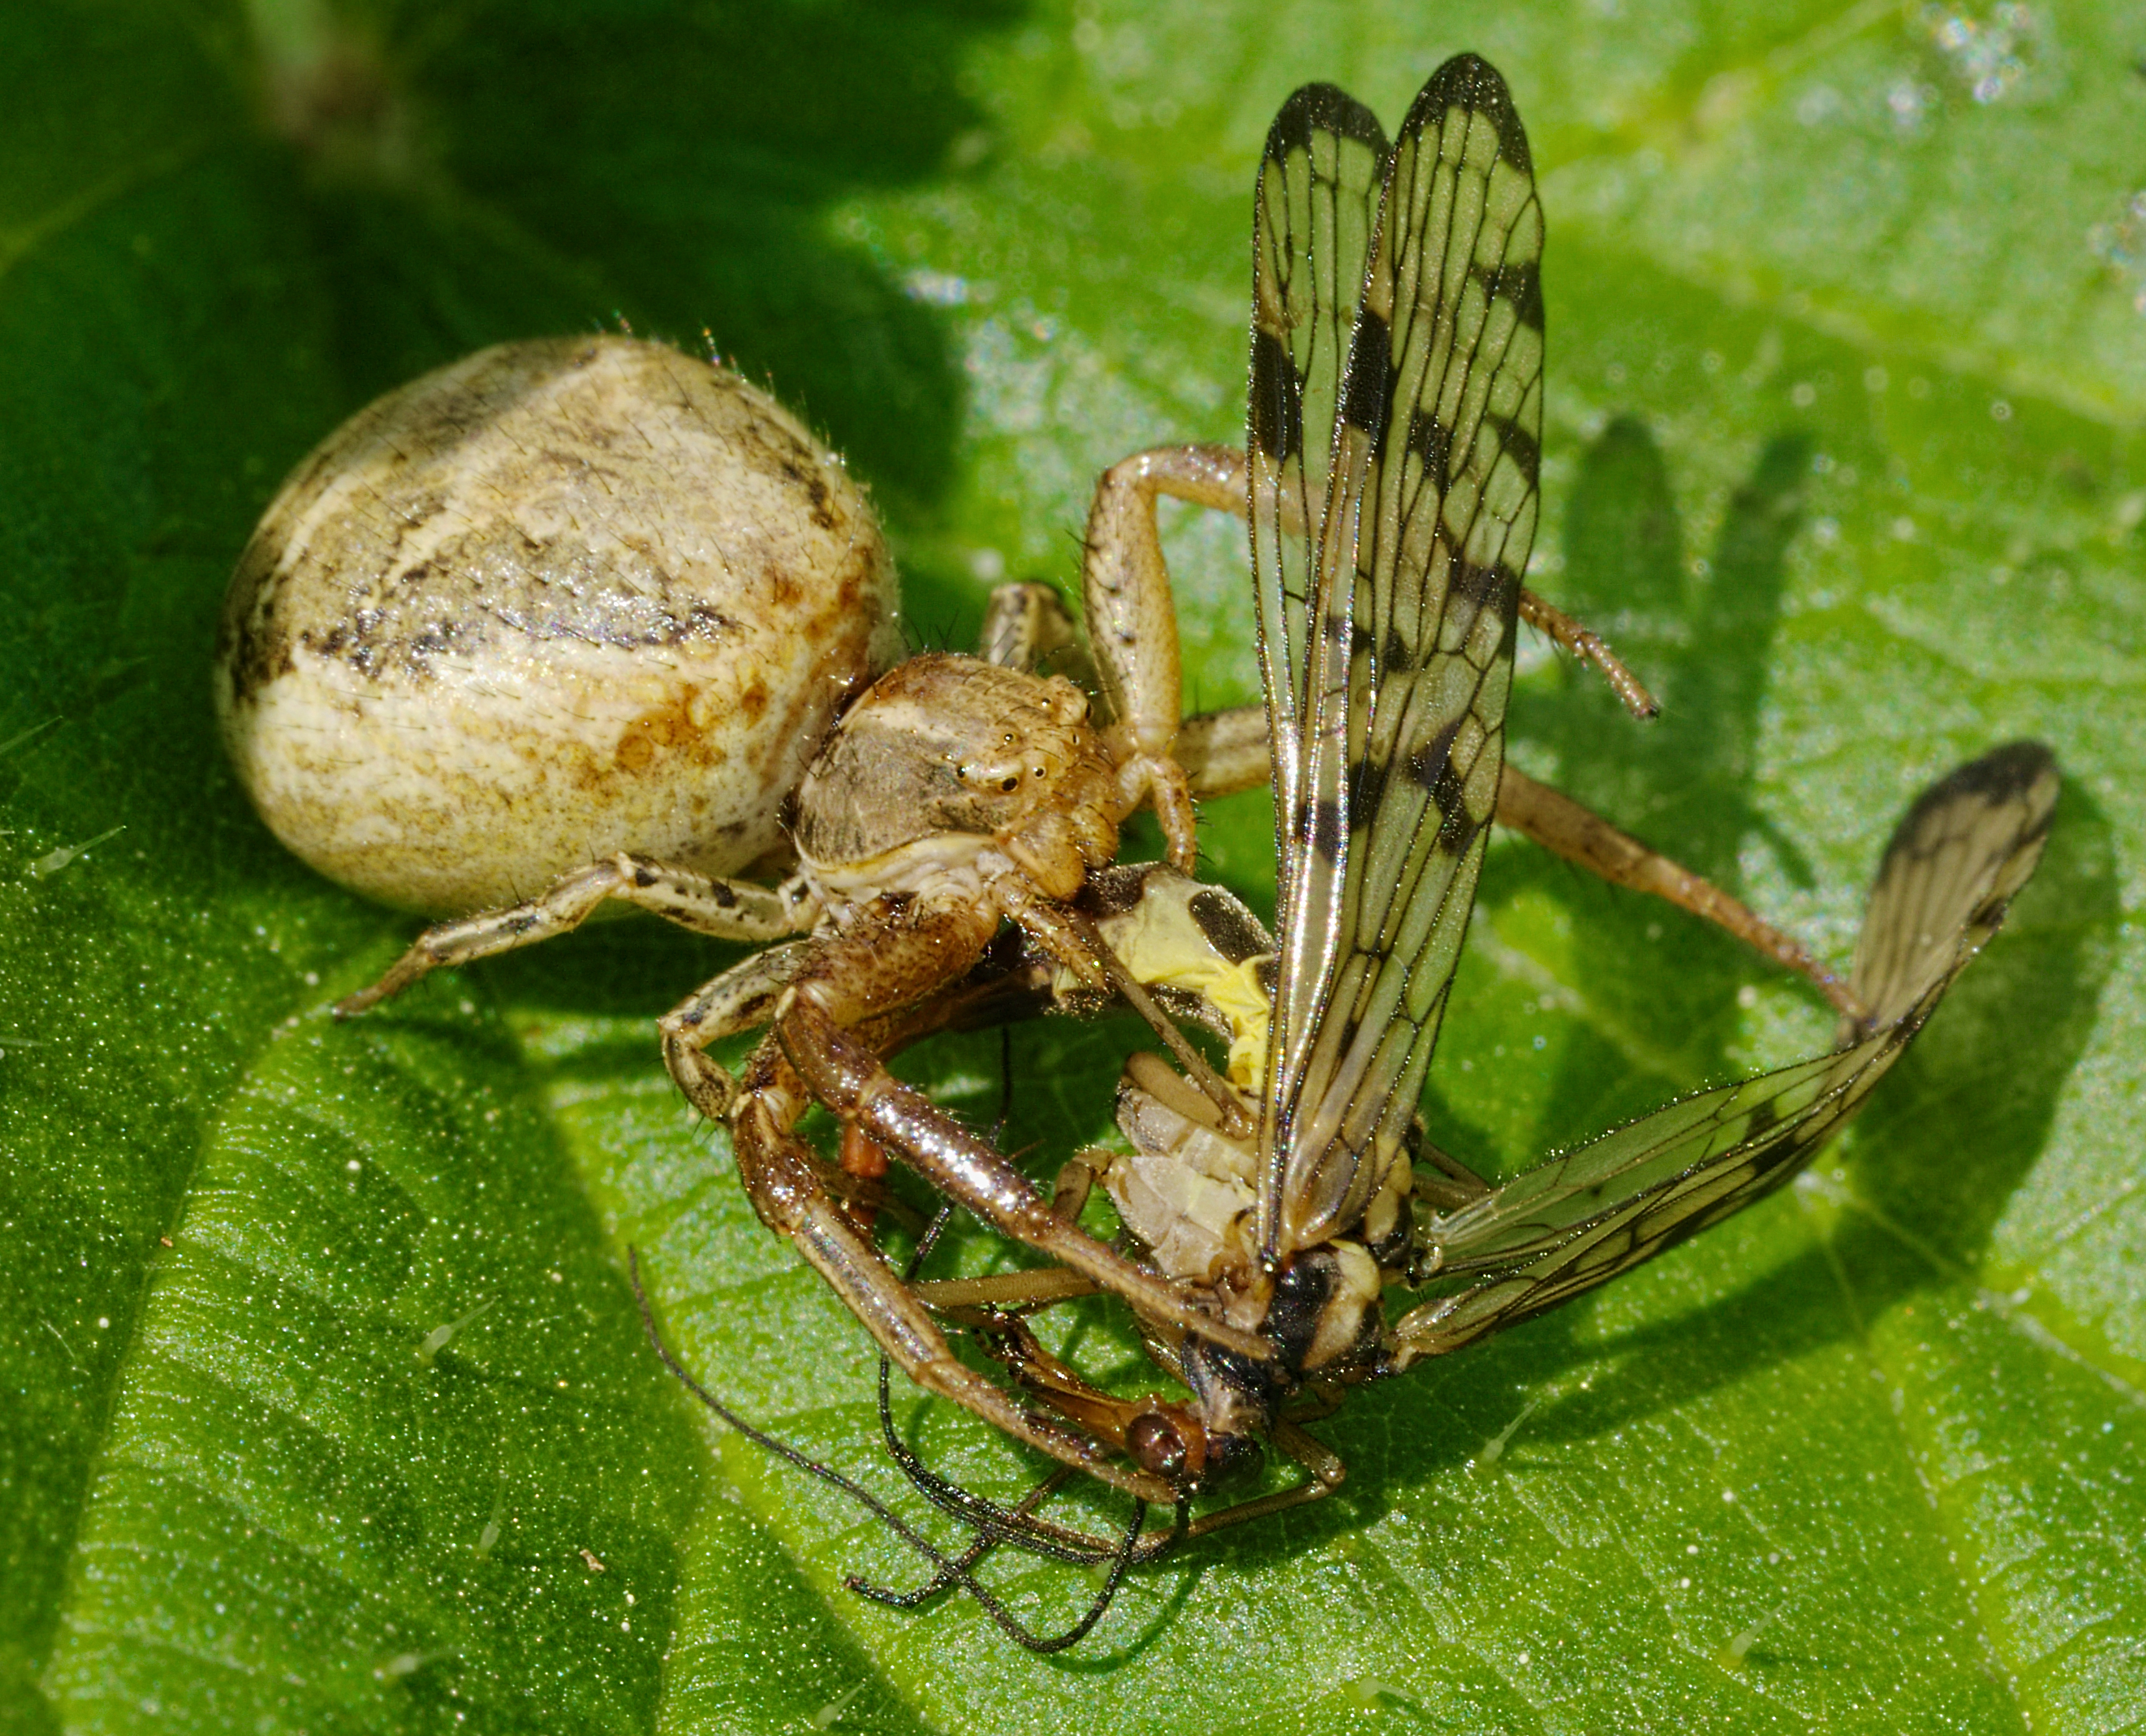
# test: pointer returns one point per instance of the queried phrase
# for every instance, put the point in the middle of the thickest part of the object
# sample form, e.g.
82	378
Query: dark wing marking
1313	215
1967	846
1429	517
1953	863
1313	210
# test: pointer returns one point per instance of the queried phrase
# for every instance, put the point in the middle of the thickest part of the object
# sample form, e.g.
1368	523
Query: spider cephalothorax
950	765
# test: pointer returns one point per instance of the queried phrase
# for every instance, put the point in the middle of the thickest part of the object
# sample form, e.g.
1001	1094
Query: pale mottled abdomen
562	598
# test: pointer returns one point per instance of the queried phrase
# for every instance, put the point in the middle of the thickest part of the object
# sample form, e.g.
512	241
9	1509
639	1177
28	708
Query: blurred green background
1848	328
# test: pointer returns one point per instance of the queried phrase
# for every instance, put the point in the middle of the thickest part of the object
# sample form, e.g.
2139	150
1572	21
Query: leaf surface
327	1405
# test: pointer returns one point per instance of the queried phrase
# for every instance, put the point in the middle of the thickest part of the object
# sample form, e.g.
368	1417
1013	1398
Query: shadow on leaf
1701	634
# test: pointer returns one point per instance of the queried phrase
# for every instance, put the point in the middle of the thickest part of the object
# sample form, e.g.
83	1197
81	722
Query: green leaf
326	1402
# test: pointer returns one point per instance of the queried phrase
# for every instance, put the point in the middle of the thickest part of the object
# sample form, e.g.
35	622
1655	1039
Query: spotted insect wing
1969	844
1394	437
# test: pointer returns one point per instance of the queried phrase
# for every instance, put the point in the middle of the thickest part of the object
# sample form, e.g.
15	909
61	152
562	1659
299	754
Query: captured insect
1393	438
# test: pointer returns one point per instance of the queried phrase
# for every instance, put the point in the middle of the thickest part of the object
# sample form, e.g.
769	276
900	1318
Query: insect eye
1157	1445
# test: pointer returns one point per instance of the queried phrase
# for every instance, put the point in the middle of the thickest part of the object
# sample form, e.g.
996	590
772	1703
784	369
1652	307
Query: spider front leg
728	910
1133	638
844	995
843	1073
1132	620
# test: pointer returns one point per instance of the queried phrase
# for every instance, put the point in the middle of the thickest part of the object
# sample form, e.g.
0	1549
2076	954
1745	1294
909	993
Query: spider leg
729	909
1133	627
781	1179
1587	645
902	958
1027	626
843	1073
1555	821
1225	751
1132	620
742	997
1021	1524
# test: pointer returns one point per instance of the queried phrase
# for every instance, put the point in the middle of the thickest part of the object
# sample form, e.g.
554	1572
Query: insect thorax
1321	1312
1187	1193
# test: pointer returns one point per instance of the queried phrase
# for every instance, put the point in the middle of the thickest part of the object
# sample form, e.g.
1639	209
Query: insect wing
1953	863
1966	846
1415	583
1313	213
1316	205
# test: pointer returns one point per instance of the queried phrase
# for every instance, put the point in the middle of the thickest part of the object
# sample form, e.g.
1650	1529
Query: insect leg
1114	1419
1225	751
1020	1524
1039	1287
1127	583
729	909
1123	1422
1036	1288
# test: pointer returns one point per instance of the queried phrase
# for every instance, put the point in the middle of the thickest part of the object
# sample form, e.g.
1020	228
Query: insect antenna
947	1571
981	1545
994	1523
